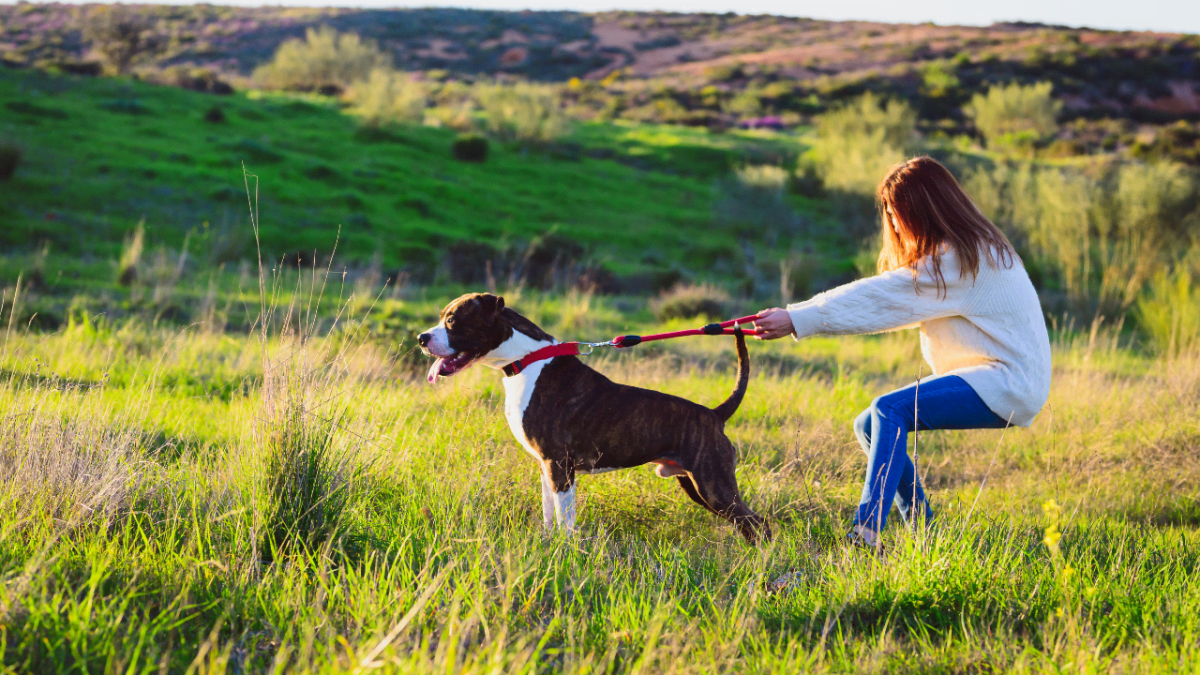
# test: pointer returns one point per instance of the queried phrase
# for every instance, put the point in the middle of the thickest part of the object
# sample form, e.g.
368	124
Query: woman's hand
773	324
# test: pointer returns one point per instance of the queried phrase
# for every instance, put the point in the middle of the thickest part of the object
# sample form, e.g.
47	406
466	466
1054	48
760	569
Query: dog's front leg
558	482
547	501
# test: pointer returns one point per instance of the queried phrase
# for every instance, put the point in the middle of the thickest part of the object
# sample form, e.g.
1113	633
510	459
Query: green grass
441	563
146	431
103	154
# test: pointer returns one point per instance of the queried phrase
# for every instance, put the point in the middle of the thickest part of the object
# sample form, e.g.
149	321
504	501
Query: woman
947	269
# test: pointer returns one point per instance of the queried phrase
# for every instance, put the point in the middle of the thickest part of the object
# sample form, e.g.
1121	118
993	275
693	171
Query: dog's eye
449	323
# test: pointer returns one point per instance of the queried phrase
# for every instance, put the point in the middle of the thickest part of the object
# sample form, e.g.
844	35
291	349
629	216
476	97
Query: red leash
624	342
722	328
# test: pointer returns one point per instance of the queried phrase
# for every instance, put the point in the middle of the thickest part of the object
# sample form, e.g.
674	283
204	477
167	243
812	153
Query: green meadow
228	460
106	153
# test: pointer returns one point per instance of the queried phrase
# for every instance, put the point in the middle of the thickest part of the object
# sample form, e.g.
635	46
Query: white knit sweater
987	330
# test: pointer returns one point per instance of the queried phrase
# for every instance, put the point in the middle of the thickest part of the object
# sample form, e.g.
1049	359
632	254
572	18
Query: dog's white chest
518	389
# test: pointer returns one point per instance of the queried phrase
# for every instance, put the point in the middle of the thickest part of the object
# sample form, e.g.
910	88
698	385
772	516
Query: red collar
560	349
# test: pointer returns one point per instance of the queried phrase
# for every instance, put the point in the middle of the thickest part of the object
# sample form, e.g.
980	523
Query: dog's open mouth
446	366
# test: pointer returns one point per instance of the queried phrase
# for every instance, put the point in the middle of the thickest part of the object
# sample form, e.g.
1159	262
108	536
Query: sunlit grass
441	562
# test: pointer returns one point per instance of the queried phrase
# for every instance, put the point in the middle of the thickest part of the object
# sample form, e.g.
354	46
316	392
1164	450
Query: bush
214	115
131	255
1100	236
522	112
120	35
387	96
858	142
470	148
324	60
306	487
125	106
10	158
1169	313
1015	114
686	301
753	201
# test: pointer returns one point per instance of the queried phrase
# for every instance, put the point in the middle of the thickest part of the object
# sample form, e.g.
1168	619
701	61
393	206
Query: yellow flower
1067	572
1052	536
1050	508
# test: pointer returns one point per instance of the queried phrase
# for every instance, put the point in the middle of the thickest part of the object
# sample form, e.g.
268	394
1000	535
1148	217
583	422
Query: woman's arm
889	301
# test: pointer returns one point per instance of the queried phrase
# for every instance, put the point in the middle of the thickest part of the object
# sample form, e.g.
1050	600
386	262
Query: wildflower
1052	536
1050	508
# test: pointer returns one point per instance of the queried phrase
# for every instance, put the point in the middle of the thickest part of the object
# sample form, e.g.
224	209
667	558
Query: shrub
522	112
470	148
1101	236
214	115
125	106
857	142
752	199
131	255
1014	114
120	35
255	151
324	59
306	488
1169	313
387	96
10	158
685	301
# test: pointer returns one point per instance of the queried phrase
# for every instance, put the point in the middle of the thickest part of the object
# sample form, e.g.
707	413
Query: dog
574	421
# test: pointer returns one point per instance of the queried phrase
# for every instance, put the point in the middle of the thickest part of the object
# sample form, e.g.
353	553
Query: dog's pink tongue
433	371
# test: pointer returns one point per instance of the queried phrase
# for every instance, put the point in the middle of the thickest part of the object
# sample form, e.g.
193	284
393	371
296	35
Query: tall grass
131	255
67	453
1096	234
1169	312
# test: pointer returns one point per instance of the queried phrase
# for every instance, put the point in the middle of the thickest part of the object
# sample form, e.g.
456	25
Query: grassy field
211	465
137	498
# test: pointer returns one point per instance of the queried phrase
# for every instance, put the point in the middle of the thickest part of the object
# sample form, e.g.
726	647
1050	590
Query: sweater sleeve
889	301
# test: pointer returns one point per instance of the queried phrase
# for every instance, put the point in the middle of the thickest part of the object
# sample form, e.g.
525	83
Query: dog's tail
730	406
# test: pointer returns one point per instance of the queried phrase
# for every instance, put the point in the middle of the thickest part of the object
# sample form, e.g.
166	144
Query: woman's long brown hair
932	213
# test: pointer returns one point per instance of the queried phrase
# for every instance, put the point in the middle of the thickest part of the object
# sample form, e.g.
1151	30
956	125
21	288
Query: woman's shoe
865	538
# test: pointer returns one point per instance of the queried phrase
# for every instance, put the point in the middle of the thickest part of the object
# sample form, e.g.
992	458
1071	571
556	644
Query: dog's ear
491	305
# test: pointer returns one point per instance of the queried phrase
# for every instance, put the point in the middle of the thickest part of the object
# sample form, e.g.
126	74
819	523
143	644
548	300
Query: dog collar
560	349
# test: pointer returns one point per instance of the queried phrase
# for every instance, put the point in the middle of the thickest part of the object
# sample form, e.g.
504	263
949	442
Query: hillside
630	207
1144	76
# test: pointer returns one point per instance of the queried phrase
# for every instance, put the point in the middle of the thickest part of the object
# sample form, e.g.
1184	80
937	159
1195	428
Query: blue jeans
942	403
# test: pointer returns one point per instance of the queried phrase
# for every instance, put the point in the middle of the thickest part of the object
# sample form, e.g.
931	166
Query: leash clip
591	346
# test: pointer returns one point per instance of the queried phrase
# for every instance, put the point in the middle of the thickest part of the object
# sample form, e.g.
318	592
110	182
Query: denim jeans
946	402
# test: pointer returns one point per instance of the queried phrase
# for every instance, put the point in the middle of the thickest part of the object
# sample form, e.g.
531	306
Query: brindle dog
574	420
